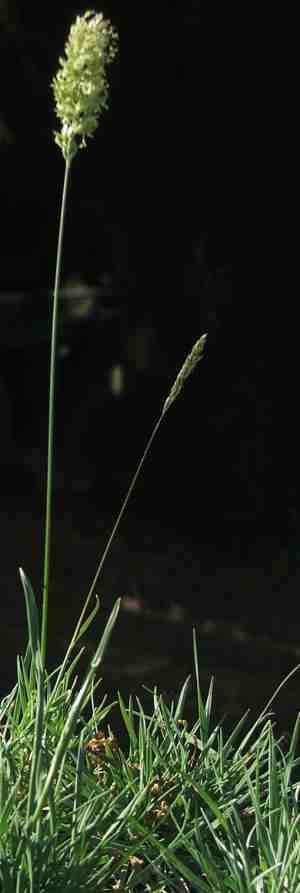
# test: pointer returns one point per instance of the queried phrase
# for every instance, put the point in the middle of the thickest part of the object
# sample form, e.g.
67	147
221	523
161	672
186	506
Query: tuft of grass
177	808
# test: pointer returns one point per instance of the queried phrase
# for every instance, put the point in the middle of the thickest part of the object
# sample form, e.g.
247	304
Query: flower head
190	362
80	86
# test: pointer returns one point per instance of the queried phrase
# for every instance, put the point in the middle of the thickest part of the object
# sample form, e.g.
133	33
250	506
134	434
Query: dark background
153	204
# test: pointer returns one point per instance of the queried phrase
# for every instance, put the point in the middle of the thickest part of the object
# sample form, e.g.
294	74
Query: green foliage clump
174	808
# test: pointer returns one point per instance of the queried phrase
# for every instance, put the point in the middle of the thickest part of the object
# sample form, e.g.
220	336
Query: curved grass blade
31	612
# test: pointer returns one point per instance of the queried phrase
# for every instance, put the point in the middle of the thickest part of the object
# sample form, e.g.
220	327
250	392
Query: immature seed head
80	86
190	362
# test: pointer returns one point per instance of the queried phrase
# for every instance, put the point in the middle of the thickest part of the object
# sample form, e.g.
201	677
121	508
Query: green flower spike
80	85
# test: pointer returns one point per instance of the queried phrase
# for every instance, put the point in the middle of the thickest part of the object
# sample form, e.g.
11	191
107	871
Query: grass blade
31	611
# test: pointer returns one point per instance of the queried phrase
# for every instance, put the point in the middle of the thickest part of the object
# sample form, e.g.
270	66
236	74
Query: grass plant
178	807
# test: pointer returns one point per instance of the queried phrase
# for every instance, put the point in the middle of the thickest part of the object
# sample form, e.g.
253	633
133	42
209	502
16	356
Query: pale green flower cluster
80	85
190	362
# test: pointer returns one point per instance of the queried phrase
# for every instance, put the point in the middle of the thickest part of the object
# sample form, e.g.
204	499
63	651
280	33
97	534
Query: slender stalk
189	364
108	545
52	382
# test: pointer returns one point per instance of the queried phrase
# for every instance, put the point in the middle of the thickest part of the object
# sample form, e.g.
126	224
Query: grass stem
108	546
52	382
